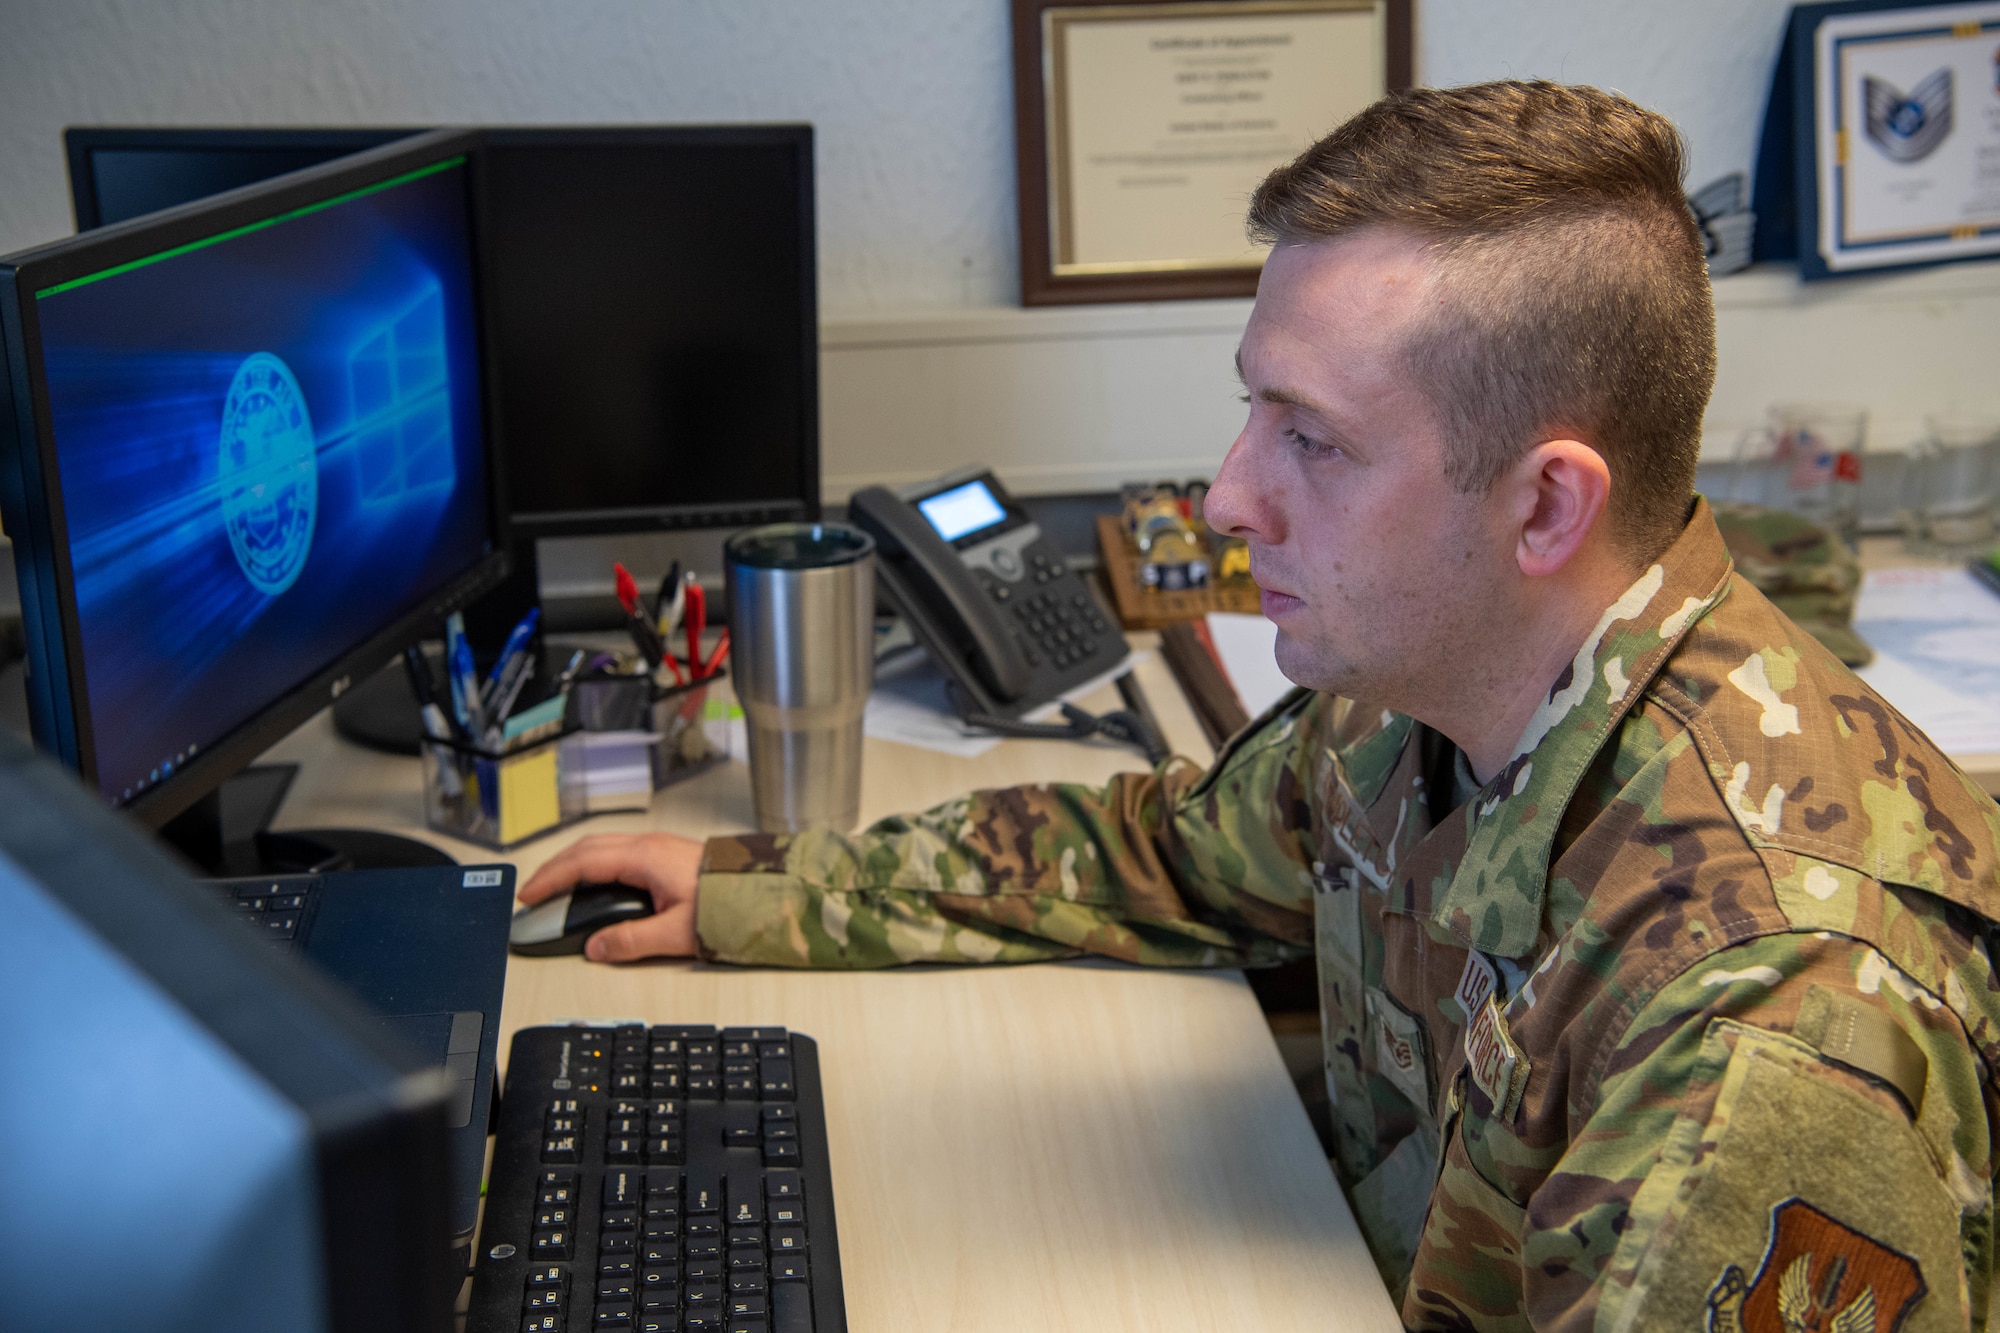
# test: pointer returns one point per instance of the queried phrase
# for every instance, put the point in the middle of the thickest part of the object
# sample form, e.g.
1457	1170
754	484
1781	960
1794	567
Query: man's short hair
1577	295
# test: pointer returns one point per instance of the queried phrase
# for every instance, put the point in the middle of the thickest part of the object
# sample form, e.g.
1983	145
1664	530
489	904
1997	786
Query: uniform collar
1489	894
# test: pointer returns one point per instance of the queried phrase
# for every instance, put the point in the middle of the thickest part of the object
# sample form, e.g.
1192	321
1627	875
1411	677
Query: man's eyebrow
1283	396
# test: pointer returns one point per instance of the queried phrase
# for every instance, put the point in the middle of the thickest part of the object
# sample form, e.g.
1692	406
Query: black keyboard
279	906
659	1180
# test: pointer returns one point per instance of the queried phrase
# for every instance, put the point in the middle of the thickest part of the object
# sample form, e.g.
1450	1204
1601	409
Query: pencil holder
638	737
502	799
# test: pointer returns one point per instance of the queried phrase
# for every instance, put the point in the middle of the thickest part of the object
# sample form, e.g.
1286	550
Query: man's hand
662	864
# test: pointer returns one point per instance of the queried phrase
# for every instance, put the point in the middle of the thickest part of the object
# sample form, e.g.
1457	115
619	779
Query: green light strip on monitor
217	239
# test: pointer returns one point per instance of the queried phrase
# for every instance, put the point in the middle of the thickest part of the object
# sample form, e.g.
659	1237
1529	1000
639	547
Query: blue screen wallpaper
268	448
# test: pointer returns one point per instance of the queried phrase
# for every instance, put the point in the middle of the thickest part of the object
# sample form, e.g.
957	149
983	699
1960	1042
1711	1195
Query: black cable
1118	725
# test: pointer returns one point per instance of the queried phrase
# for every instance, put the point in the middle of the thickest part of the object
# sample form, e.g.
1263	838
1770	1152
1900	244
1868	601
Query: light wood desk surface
1059	1146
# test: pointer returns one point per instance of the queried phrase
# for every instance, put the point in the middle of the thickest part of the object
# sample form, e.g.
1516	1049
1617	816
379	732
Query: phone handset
915	555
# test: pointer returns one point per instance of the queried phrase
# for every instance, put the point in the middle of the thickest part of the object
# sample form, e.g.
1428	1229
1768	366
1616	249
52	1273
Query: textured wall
911	97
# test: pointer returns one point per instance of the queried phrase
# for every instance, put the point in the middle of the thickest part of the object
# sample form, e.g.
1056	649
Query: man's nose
1231	505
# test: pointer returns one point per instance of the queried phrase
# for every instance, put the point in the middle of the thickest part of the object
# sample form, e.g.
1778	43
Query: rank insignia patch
1818	1276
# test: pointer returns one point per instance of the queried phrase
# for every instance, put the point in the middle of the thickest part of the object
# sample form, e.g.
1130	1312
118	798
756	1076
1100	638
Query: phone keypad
1065	627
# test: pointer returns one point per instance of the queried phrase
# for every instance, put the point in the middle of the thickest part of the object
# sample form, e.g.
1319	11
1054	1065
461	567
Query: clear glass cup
1949	486
1807	459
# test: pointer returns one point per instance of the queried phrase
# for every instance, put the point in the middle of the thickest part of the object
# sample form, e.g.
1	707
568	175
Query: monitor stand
227	833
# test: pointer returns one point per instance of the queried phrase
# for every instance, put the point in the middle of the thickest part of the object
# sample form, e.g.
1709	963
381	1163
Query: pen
696	620
506	679
465	690
464	680
569	672
643	633
503	702
667	607
436	723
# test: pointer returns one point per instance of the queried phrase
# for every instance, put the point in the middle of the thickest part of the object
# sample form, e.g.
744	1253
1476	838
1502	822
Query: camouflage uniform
1684	1020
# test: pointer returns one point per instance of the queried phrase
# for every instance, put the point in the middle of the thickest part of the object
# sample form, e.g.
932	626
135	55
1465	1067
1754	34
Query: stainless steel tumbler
802	656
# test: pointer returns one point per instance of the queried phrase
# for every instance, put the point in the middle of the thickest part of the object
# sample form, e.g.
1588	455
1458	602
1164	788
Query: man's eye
1309	445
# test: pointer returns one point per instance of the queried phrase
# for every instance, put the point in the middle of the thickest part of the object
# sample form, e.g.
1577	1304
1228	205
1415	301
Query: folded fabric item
1803	568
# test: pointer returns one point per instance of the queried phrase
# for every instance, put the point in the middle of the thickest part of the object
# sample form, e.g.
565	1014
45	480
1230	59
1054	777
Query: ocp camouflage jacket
1684	1020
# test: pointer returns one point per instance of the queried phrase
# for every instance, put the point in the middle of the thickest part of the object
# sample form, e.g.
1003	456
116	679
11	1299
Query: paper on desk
1936	636
1248	648
909	706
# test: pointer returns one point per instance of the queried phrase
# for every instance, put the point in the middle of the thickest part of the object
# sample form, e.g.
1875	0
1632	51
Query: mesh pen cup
802	650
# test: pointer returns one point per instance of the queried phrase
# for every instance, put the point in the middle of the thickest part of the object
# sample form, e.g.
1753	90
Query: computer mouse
564	922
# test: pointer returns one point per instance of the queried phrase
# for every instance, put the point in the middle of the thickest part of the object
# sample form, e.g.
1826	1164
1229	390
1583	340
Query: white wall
911	97
926	361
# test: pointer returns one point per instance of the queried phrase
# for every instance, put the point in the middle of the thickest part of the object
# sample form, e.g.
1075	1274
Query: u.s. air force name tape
1495	1063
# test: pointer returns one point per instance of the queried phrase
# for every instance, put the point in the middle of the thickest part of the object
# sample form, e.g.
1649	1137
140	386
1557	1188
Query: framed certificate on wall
1896	133
1143	126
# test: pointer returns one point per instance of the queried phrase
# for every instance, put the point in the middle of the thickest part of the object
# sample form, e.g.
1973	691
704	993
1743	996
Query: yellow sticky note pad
528	801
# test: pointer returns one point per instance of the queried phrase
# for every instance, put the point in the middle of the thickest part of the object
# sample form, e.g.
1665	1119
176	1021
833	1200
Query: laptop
425	948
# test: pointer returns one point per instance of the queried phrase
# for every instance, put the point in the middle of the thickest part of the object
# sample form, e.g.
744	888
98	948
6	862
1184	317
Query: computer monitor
118	174
653	296
244	458
201	1134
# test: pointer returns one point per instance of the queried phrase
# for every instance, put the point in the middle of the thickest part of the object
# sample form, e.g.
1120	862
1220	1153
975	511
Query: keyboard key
289	902
616	1265
781	1129
659	1253
704	1270
745	1198
615	1289
623	1149
550	1245
617	1242
788	1268
775	1050
558	1187
745	1324
667	1322
788	1213
702	1296
740	1126
703	1087
777	1083
702	1249
791	1309
781	1152
555	1126
625	1127
545	1321
552	1217
662	1183
702	1321
619	1219
670	1151
283	925
561	1148
746	1263
659	1287
747	1304
782	1185
665	1228
703	1228
544	1278
740	1088
615	1314
746	1282
787	1240
745	1238
547	1299
704	1192
623	1188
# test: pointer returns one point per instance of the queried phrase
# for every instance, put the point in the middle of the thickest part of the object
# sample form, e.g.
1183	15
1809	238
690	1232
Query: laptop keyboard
280	907
671	1179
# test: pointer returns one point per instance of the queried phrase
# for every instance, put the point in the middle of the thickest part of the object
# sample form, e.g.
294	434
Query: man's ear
1561	488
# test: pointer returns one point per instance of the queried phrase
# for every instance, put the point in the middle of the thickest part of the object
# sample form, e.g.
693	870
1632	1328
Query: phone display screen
962	509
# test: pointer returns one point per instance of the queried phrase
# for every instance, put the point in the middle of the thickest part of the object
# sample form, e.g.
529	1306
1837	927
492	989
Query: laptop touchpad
451	1040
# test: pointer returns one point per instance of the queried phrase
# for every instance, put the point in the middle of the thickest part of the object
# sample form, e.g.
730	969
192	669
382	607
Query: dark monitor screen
201	1136
261	448
119	174
653	301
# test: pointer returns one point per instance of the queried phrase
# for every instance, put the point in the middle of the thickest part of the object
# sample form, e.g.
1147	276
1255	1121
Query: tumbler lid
798	546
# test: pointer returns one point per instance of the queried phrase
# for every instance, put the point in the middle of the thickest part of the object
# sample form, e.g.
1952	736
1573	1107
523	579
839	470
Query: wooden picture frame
1075	68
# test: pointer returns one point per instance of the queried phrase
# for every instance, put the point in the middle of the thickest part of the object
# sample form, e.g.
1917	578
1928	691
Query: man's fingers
598	859
664	934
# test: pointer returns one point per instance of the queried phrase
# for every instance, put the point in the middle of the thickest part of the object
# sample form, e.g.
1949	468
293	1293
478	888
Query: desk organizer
625	739
500	800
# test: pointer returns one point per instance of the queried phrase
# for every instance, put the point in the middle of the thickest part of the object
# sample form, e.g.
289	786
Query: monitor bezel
57	697
80	142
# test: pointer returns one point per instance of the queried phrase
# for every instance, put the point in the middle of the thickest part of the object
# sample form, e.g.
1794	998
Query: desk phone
985	592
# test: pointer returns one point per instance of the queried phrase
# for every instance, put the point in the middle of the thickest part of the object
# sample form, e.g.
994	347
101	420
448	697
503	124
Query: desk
1057	1146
